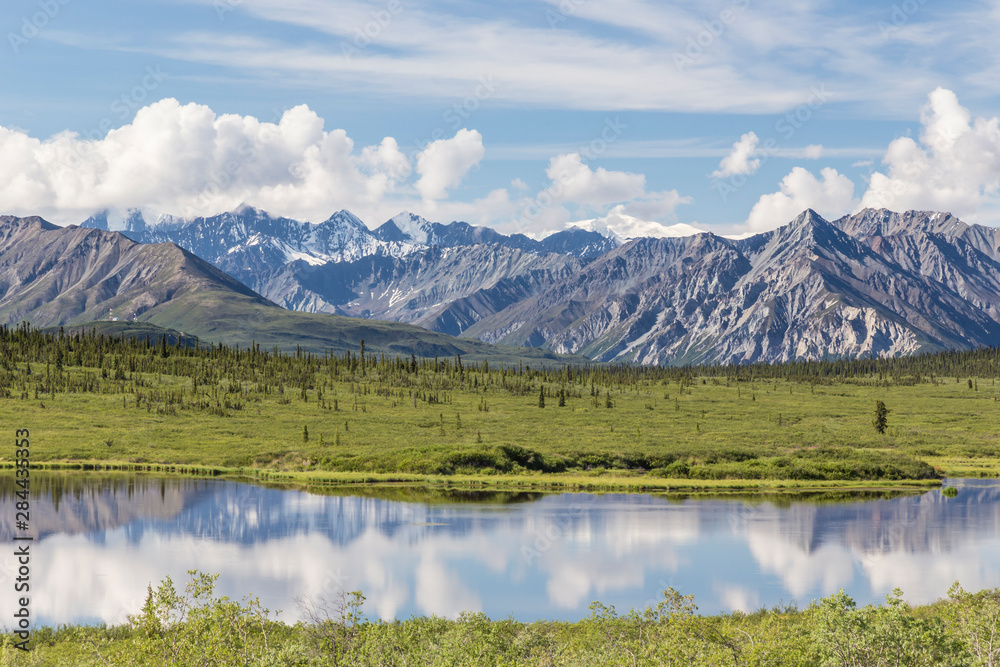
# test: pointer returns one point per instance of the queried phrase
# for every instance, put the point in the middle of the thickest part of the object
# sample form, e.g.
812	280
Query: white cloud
444	163
739	161
759	59
814	152
831	195
187	160
954	167
387	158
656	205
574	181
574	184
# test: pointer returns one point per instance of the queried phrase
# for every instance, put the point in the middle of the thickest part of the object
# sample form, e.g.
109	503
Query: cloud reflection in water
545	558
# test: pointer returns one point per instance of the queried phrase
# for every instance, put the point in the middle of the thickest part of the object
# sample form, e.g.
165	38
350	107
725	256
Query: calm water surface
101	539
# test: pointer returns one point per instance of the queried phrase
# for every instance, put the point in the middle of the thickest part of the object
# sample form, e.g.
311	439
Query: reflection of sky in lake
547	558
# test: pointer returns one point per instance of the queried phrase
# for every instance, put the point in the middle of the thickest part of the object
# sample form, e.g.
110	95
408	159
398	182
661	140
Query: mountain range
407	270
56	276
873	283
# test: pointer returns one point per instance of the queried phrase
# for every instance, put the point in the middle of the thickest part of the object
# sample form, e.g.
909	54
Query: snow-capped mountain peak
414	228
622	227
245	209
344	217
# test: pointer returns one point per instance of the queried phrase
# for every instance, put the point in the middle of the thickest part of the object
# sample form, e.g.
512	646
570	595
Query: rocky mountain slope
878	283
442	288
247	241
51	275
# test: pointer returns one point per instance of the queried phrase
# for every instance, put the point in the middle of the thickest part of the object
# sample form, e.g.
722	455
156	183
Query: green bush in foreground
196	628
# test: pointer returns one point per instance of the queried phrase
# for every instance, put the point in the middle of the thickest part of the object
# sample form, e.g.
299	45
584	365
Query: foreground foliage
196	628
151	402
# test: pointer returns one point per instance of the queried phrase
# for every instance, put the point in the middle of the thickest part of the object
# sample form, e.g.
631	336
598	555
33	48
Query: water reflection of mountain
238	513
224	511
75	503
922	523
917	523
246	514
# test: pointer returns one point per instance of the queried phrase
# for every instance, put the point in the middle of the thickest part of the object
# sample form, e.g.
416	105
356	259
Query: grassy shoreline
521	482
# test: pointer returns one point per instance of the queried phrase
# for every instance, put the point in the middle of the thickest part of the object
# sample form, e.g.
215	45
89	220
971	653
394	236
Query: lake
101	539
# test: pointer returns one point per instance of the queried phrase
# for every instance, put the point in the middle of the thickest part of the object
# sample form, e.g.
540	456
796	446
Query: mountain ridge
806	290
72	276
333	266
872	282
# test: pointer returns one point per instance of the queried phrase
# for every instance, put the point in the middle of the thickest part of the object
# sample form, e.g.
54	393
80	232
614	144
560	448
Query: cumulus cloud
186	160
740	160
574	181
575	185
955	165
386	158
830	195
445	162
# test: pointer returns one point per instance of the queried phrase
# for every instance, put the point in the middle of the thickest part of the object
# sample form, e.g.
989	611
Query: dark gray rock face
442	289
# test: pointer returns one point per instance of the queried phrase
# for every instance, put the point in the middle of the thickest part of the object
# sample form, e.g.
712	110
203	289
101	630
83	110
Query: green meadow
357	418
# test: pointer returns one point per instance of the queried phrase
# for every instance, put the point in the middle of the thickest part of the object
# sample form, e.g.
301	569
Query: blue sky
526	115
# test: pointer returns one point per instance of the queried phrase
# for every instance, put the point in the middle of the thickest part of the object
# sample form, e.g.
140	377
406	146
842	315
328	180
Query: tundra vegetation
195	627
104	402
93	400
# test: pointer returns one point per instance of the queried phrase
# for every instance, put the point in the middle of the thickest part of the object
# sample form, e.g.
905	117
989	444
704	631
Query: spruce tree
880	419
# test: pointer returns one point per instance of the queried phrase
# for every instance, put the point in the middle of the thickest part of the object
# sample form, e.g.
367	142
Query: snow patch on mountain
623	227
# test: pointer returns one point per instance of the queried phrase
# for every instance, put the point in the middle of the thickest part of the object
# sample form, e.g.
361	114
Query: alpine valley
874	283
